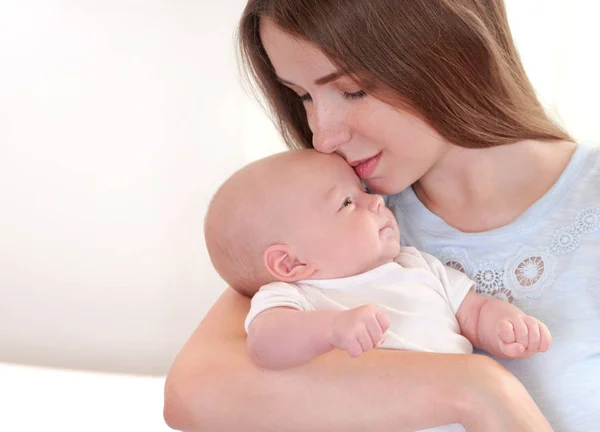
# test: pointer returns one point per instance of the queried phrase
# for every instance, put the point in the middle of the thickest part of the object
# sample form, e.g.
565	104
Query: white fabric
545	262
417	292
420	295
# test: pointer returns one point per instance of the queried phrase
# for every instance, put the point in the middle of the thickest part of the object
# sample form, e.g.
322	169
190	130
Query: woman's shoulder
583	177
588	153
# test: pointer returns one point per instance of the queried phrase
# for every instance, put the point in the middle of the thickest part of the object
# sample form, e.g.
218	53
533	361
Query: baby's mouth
388	226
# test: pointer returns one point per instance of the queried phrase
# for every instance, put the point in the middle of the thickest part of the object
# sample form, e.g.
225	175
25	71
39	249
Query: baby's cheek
352	255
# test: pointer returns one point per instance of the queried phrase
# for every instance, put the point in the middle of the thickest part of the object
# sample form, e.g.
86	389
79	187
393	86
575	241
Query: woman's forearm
214	385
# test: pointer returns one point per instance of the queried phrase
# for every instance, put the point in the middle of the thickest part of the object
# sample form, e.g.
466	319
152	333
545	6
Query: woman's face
389	148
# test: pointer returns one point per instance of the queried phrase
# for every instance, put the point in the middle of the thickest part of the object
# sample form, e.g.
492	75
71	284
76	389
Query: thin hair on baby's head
230	230
242	220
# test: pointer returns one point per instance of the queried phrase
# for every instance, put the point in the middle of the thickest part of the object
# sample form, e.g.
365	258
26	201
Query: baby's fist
521	336
360	329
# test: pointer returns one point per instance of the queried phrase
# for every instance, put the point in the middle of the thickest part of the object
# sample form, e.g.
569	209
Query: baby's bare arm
281	337
501	328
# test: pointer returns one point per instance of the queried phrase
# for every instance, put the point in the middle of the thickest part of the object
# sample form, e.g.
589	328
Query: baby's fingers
509	342
365	340
533	329
512	350
353	348
506	332
384	320
521	331
545	338
377	327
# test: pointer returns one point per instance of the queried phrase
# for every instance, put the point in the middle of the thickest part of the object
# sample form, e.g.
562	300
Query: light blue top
547	262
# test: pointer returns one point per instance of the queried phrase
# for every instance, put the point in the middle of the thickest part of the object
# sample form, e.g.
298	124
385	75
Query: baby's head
297	215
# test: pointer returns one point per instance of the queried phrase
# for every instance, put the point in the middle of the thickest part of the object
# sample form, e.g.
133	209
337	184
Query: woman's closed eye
356	95
347	95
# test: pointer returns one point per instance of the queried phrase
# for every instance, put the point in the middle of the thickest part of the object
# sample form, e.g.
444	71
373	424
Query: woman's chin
379	186
383	186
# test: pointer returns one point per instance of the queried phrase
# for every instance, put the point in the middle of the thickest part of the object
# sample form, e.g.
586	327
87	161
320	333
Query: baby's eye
348	201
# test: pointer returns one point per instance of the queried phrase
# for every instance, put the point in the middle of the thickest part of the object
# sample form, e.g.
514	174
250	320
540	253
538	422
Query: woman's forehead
294	59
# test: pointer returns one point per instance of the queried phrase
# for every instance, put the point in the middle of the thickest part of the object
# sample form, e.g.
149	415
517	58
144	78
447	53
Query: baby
326	256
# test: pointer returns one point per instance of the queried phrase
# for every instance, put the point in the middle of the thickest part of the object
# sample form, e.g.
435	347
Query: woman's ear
284	266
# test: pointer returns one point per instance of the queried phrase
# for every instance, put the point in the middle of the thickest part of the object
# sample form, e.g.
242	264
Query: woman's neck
478	190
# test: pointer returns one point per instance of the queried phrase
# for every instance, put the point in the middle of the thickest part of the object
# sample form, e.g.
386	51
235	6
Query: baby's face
337	226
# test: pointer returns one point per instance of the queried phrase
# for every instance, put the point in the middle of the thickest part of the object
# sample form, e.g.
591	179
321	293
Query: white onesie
420	295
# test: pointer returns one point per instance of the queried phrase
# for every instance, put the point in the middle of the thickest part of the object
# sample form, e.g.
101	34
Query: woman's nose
329	130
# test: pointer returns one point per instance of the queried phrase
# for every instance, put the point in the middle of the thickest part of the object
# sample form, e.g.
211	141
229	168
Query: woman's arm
214	385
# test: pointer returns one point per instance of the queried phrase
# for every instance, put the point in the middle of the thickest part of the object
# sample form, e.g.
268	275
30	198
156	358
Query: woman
429	94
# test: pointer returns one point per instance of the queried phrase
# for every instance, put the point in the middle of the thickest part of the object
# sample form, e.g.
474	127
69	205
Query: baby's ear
284	266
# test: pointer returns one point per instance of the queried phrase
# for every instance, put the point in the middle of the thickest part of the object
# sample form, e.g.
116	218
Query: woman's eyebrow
319	81
328	78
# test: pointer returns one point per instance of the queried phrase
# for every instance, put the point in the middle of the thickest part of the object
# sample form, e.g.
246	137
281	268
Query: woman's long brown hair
452	62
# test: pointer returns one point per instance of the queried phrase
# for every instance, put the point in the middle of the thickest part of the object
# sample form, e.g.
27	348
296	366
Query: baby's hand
360	329
521	336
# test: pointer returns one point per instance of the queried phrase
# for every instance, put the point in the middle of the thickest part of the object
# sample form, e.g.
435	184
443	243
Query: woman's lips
366	167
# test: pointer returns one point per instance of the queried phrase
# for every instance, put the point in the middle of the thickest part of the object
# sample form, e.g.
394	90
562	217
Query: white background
118	120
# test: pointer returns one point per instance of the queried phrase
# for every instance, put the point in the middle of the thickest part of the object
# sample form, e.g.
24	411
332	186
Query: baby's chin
388	257
394	253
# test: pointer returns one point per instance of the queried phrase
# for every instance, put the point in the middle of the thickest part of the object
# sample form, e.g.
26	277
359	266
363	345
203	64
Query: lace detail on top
566	239
532	270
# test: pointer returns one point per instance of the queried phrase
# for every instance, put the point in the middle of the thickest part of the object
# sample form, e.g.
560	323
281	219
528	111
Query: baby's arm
284	337
281	337
498	327
501	328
